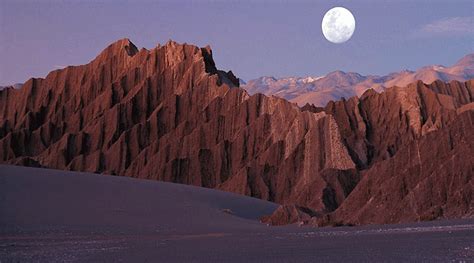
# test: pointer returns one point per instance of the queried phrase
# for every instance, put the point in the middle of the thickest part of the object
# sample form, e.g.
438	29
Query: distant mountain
15	86
335	85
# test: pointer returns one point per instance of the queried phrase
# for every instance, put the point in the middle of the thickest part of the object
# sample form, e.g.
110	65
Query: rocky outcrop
169	114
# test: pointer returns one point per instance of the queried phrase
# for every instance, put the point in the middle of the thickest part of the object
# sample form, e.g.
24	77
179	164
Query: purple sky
252	38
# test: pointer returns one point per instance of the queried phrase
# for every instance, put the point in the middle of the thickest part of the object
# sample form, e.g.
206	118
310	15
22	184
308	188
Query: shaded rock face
169	114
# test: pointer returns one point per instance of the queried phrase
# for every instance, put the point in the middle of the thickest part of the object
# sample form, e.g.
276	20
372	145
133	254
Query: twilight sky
251	37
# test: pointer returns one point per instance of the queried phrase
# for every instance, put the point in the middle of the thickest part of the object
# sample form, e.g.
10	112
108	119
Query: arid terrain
62	216
236	131
168	114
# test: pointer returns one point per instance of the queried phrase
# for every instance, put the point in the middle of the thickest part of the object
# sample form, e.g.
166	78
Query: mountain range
338	84
169	114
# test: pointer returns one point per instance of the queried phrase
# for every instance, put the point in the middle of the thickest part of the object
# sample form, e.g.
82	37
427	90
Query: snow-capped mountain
335	85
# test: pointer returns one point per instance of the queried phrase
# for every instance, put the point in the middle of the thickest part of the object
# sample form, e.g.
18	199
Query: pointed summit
122	49
125	44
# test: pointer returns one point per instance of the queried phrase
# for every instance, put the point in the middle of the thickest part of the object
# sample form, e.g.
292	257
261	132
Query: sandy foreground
57	216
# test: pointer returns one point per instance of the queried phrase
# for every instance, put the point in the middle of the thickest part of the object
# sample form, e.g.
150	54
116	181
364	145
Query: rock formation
376	125
169	114
414	147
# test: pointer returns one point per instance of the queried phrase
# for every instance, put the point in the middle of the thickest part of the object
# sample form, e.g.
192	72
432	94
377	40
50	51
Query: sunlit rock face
375	125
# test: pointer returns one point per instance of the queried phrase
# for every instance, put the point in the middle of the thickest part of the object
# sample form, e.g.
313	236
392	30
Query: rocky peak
121	48
345	78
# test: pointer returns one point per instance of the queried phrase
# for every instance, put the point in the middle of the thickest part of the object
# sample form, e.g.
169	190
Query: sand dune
43	199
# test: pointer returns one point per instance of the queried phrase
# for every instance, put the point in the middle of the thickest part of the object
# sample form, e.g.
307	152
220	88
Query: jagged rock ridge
169	114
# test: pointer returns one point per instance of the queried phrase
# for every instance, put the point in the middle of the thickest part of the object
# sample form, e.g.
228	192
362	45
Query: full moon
338	25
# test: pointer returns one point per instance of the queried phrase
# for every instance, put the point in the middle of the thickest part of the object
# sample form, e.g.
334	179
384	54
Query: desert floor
56	216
